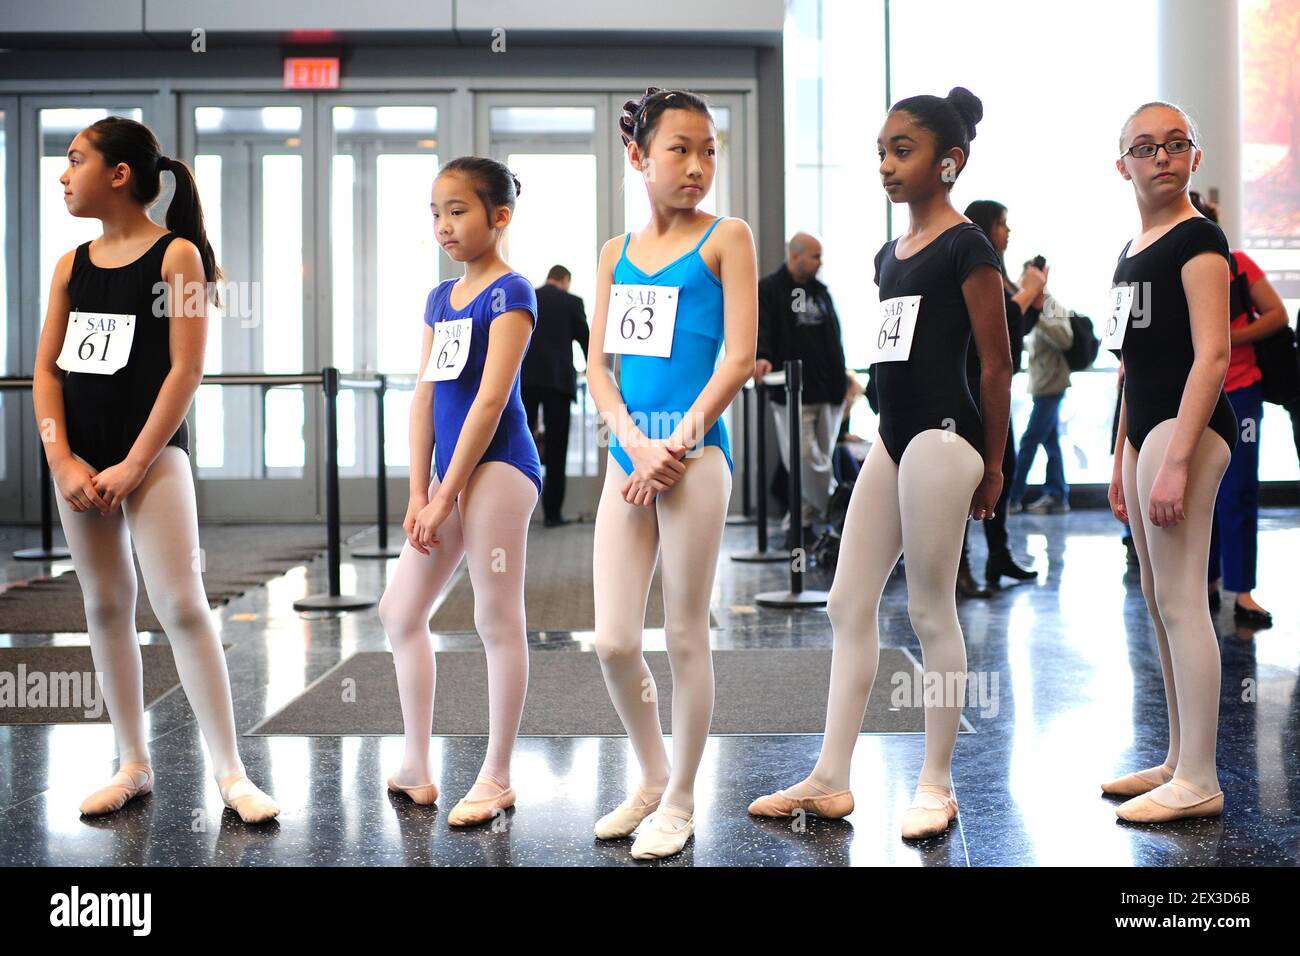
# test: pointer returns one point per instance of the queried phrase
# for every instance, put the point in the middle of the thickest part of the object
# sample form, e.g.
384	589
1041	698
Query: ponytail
185	217
123	140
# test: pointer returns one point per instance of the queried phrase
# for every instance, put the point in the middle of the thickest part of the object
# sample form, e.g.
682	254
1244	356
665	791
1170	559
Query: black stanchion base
333	602
40	554
375	552
791	599
760	557
741	520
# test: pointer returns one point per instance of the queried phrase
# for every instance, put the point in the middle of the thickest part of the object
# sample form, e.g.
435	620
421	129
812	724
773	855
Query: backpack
1276	356
1083	350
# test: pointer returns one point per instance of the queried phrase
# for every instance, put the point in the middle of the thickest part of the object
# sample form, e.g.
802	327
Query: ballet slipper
1138	782
932	810
114	796
423	794
242	795
627	816
467	813
1149	808
833	804
666	833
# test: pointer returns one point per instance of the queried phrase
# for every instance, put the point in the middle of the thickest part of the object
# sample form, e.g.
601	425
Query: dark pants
554	406
1233	538
995	528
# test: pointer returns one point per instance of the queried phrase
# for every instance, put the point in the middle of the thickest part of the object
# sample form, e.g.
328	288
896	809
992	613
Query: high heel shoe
925	819
467	813
832	804
1137	783
1148	808
243	796
115	795
423	794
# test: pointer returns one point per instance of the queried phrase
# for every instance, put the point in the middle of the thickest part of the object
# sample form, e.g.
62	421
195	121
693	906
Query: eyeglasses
1147	150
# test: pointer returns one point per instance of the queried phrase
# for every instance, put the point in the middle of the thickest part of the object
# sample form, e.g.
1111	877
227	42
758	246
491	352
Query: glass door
382	261
560	148
256	449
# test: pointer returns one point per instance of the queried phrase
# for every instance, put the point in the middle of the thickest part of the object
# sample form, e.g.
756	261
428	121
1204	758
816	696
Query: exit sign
311	73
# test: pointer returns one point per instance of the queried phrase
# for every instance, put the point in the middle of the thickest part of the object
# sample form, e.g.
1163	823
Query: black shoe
967	586
1132	550
557	522
1215	601
1251	617
1005	566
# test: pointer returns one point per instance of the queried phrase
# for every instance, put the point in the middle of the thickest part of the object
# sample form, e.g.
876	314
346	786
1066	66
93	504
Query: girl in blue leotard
487	478
669	299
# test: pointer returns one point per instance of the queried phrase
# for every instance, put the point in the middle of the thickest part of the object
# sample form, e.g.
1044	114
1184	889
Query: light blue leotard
659	391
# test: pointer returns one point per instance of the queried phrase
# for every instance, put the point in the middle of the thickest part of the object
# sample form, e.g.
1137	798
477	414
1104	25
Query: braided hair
641	117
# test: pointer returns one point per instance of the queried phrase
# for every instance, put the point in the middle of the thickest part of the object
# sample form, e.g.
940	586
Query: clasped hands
657	466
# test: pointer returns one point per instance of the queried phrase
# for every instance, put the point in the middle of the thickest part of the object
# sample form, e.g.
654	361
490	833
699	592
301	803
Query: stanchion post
335	600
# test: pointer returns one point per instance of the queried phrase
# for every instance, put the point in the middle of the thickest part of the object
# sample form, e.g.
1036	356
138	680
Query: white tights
162	519
489	527
919	508
687	522
1173	562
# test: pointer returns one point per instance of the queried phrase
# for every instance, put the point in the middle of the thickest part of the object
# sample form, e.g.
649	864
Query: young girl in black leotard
1176	434
937	463
115	374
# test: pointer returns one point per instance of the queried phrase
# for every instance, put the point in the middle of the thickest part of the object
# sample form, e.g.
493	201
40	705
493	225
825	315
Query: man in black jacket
548	381
797	320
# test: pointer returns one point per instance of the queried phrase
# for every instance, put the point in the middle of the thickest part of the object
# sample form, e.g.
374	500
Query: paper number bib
892	341
640	320
96	342
450	350
1121	301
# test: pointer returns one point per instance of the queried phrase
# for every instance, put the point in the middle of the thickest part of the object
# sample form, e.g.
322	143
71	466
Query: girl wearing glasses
1176	435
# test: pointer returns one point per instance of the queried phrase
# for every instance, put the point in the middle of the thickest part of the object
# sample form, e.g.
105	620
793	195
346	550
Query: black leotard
1158	355
929	390
106	413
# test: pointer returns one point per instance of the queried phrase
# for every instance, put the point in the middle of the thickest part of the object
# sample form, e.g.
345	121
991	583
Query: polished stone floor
1073	696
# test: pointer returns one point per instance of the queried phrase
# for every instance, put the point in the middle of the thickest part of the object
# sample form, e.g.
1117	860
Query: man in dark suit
550	383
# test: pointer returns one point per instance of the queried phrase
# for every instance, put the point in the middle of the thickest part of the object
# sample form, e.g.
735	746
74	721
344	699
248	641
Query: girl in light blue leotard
668	474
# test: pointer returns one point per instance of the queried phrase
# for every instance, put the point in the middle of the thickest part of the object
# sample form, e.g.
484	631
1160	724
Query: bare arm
508	336
420	433
47	377
187	298
1205	281
982	291
740	320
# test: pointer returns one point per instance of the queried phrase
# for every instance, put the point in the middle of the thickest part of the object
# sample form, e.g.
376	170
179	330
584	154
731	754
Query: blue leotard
659	391
513	442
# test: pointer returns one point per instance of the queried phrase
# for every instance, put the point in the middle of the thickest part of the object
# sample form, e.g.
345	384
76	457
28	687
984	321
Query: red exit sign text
311	73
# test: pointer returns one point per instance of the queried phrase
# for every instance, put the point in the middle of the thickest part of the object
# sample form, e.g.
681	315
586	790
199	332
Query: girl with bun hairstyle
1177	430
937	463
468	417
119	360
669	297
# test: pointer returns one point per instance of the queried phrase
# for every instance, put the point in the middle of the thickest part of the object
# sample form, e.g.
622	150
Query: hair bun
968	106
518	188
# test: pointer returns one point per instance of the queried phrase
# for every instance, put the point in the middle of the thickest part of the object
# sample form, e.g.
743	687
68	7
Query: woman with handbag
1257	314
